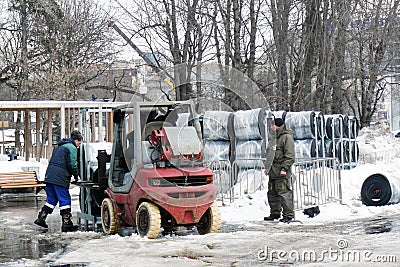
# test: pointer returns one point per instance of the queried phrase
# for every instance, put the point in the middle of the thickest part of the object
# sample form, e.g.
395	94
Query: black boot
286	219
41	219
272	217
67	225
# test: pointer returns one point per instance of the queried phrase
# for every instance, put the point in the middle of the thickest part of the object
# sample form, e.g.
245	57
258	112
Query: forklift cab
133	125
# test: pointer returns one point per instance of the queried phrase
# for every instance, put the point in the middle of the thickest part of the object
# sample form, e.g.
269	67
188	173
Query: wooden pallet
20	181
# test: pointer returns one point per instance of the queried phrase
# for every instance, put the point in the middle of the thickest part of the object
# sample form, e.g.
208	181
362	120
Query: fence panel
248	175
316	181
222	178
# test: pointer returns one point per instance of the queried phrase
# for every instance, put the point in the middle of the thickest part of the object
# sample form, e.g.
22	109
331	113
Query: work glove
283	173
75	180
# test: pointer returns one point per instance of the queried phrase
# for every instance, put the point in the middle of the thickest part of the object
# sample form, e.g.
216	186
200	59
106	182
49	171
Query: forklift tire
148	220
108	221
210	222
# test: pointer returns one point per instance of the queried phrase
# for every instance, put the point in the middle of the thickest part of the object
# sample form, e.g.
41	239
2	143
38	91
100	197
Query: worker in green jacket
280	195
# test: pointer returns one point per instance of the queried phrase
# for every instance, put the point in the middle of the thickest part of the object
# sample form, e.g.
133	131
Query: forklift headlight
155	182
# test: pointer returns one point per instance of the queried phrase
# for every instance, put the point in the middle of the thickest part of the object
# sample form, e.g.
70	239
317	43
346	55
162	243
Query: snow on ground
237	245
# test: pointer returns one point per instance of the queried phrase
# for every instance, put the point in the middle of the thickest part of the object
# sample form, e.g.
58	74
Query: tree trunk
280	24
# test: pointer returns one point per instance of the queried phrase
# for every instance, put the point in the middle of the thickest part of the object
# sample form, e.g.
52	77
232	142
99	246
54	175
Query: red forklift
155	178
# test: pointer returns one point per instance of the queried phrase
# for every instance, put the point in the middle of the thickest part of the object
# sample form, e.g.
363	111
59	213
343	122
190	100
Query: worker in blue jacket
62	166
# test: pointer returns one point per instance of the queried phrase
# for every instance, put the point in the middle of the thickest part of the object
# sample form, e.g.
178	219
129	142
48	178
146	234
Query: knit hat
76	135
278	122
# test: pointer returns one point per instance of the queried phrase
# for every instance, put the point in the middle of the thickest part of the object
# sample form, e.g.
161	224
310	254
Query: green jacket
284	153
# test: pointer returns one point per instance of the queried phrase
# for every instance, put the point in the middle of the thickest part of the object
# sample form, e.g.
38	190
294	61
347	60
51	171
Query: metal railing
316	181
223	179
248	176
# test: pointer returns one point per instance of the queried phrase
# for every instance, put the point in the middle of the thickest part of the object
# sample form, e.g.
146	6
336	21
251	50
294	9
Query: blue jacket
63	164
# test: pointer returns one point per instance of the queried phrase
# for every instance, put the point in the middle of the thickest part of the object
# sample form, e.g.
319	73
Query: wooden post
2	131
100	125
62	117
74	117
110	127
93	114
27	134
50	139
38	143
69	122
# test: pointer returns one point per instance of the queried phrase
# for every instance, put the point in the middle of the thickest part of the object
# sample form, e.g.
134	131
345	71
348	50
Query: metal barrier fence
315	181
248	176
222	178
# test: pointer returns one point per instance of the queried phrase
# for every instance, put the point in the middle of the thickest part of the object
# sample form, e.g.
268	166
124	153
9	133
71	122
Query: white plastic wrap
247	151
216	150
247	123
329	148
307	148
215	125
306	124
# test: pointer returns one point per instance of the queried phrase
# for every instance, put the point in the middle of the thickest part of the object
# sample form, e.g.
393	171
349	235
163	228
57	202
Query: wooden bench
20	181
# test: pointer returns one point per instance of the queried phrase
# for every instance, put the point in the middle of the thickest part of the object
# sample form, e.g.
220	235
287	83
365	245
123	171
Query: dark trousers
280	197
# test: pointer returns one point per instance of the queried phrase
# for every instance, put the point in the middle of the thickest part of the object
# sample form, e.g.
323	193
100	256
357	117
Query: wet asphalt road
18	233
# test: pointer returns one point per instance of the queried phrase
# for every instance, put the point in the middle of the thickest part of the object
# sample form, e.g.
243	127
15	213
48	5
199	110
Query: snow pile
377	139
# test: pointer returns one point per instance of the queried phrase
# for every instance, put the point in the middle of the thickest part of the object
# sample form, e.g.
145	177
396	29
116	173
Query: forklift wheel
108	220
210	222
148	220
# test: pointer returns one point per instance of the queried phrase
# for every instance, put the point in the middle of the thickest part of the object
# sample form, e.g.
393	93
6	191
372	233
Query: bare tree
337	59
370	36
236	26
326	52
177	33
52	47
73	45
279	22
